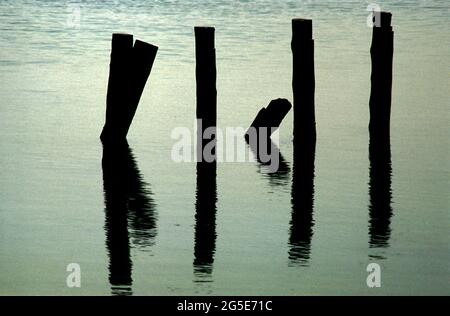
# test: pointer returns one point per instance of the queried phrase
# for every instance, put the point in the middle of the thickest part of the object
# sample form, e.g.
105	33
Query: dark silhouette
270	117
206	192
380	210
258	136
302	194
381	51
302	200
129	213
130	67
205	56
303	80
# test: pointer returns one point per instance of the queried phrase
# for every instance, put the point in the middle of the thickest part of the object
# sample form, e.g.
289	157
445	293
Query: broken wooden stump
265	124
381	51
303	80
130	67
271	116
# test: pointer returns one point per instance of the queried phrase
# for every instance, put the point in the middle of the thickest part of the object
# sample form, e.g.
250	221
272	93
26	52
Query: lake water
54	64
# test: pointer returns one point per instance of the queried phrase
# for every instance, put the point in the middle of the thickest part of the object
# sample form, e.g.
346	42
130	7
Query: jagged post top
145	47
302	29
126	40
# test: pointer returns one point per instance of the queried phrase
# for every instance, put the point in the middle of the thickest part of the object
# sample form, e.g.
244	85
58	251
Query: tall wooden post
116	98
380	209
130	67
205	55
303	81
302	192
206	113
381	51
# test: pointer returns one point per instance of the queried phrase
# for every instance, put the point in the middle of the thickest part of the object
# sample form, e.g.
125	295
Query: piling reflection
380	193
277	177
130	215
205	221
302	200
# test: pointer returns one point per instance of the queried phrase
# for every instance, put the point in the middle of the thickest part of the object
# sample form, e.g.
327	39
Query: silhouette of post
381	51
302	192
130	67
270	117
116	98
303	81
205	55
206	113
258	135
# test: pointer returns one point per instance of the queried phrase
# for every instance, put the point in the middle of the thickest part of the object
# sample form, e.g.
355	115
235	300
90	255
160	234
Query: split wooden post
116	99
130	68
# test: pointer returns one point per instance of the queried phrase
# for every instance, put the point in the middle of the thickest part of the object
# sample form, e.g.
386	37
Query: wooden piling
381	51
303	81
144	55
129	69
116	99
271	116
206	75
302	192
206	193
268	118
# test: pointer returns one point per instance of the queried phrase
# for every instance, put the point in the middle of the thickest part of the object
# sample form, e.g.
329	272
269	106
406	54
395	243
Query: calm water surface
282	234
